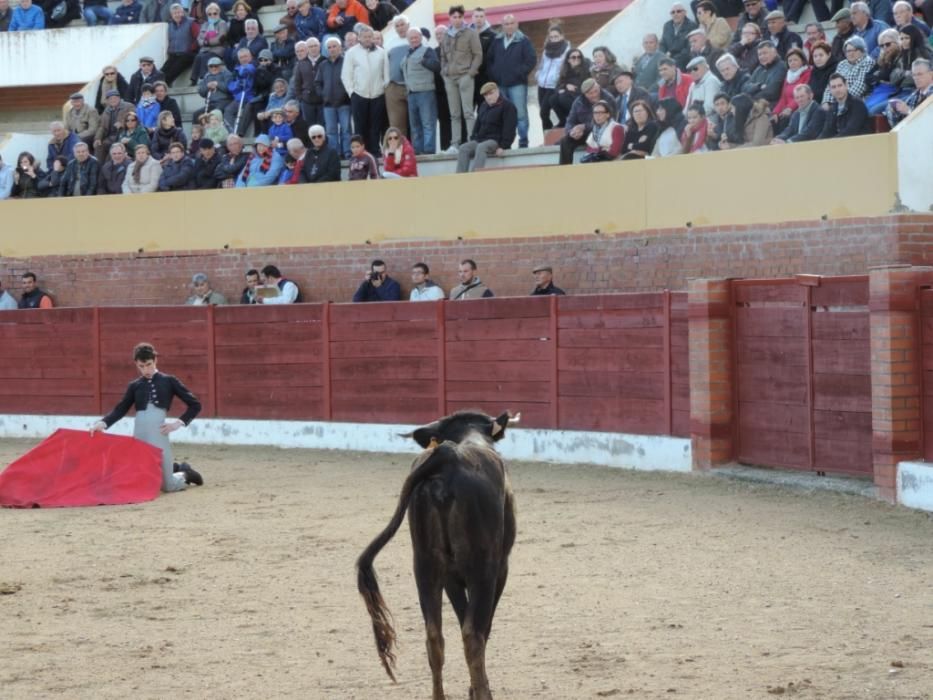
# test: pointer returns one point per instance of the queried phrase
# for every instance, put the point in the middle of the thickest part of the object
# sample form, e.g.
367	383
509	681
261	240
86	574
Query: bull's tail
366	581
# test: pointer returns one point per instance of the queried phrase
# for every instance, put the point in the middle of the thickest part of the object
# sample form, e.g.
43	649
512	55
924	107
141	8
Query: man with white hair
674	37
334	97
304	86
203	294
365	75
253	40
419	68
922	72
321	162
867	27
62	143
904	15
396	92
705	85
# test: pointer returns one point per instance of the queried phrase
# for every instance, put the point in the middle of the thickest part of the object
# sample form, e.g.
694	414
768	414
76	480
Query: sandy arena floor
623	585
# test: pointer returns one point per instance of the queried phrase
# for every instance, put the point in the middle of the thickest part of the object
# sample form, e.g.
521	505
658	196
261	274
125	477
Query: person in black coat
809	113
111	79
205	165
166	103
81	174
147	73
231	163
178	172
674	37
493	132
322	164
849	116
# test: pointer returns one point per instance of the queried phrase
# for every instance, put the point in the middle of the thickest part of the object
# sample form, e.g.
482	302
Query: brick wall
606	262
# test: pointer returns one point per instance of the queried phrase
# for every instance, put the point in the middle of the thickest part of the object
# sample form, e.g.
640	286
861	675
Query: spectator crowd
326	89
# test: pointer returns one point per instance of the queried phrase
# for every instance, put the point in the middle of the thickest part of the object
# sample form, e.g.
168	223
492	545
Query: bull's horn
515	419
406	435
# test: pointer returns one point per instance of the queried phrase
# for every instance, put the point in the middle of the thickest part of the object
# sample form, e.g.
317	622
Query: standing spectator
606	136
205	165
553	55
717	29
419	67
289	293
573	73
322	164
767	79
673	83
400	160
848	115
27	16
143	175
580	120
798	73
344	15
377	285
204	295
310	21
96	12
779	33
304	85
544	282
396	92
423	288
807	121
674	37
362	165
705	85
641	132
147	73
110	79
182	44
28	178
81	118
113	172
34	297
249	291
62	143
511	59
646	65
922	72
486	34
178	170
81	174
845	30
461	56
6	180
232	162
493	131
128	12
334	98
471	286
6	16
867	27
212	36
754	13
365	75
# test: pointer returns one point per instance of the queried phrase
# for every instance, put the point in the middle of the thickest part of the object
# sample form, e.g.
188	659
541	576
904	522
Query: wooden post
668	388
554	393
326	389
98	394
441	349
214	408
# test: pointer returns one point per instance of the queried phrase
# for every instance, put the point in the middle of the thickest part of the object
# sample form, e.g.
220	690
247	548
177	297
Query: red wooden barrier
926	335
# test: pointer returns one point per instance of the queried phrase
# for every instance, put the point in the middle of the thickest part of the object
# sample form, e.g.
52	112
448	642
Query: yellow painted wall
839	178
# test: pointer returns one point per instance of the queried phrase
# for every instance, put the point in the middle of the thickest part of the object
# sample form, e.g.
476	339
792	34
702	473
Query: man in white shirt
288	290
7	302
365	75
424	289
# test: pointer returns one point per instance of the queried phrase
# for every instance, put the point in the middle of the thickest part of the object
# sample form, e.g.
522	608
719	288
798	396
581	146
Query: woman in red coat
798	73
400	158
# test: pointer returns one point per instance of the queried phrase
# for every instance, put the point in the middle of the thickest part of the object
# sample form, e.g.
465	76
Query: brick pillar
896	358
711	372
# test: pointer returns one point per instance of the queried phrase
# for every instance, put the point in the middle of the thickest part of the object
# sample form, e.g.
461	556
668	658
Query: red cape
73	468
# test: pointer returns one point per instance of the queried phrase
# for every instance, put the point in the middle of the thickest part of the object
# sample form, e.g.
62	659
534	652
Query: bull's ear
424	434
498	426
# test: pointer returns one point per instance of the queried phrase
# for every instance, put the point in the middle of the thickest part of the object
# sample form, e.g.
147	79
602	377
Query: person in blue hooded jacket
242	92
263	167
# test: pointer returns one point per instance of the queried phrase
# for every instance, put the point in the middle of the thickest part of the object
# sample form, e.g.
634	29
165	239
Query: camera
373	276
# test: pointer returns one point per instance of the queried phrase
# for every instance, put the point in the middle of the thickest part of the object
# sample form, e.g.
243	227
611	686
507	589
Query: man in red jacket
673	83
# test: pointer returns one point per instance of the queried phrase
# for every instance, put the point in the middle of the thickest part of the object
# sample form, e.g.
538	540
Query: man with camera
377	285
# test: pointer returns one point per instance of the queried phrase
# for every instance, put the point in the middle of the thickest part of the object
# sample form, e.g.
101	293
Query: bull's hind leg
430	596
482	597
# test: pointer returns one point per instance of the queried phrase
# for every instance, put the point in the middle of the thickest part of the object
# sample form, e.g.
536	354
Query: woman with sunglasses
132	134
605	140
110	79
889	80
212	38
399	154
573	72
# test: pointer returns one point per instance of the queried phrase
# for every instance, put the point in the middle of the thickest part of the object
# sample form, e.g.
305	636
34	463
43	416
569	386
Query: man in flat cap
81	118
544	282
110	123
493	131
147	73
778	31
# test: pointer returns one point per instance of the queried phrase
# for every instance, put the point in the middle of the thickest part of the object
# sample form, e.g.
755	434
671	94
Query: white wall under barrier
11	145
624	32
914	155
61	56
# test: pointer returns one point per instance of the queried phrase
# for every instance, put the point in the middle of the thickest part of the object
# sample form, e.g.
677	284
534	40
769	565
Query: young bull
462	520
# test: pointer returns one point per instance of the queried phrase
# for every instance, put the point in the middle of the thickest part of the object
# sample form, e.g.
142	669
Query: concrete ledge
641	452
915	485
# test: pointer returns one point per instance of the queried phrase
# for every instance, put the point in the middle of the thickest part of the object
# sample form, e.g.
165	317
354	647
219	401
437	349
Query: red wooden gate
803	364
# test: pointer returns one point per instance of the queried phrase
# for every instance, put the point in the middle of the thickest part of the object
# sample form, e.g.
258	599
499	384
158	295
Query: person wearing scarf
693	139
111	79
166	135
143	175
671	125
605	139
263	167
132	133
400	158
798	73
555	50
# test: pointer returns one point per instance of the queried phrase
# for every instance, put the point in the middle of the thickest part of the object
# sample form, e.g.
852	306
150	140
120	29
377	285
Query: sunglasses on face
887	44
109	75
392	138
677	12
213	14
317	136
600	111
131	119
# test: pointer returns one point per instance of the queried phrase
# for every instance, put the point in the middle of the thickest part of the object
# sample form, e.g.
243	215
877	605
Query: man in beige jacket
81	118
461	56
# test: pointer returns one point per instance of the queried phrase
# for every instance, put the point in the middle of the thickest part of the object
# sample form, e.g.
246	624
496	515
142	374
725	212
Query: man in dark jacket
781	35
767	81
377	285
283	51
178	171
322	164
511	58
214	88
182	44
147	73
81	174
486	36
807	121
231	163
34	297
304	87
674	37
205	165
849	116
734	79
493	131
755	13
334	98
580	119
113	171
845	30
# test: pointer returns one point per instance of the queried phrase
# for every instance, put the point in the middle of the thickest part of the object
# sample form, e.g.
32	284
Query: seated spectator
377	285
544	282
194	143
722	104
758	128
766	81
646	65
81	118
110	79
252	40
626	93
641	132
167	134
734	79
904	17
6	180
310	21
815	34
343	16
178	171
294	163
276	101
701	48
27	16
824	65
420	68
112	126
493	131
205	165
745	50
673	83
81	174
755	13
132	133
743	126
279	132
34	297
845	30
240	14
322	164
288	292
147	74
867	27
113	172
380	13
28	178
580	119
238	114
888	79
847	114
674	37
212	36
604	66
60	13
922	73
573	73
203	294
913	46
231	163
182	43
53	184
143	175
263	167
671	123
780	34
128	12
62	143
606	136
807	121
165	102
854	69
423	288
705	84
398	155
362	165
147	109
249	291
798	73
213	87
471	286
696	132
717	29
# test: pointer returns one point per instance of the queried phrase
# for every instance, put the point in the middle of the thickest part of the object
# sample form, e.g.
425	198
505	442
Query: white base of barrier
643	452
915	485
